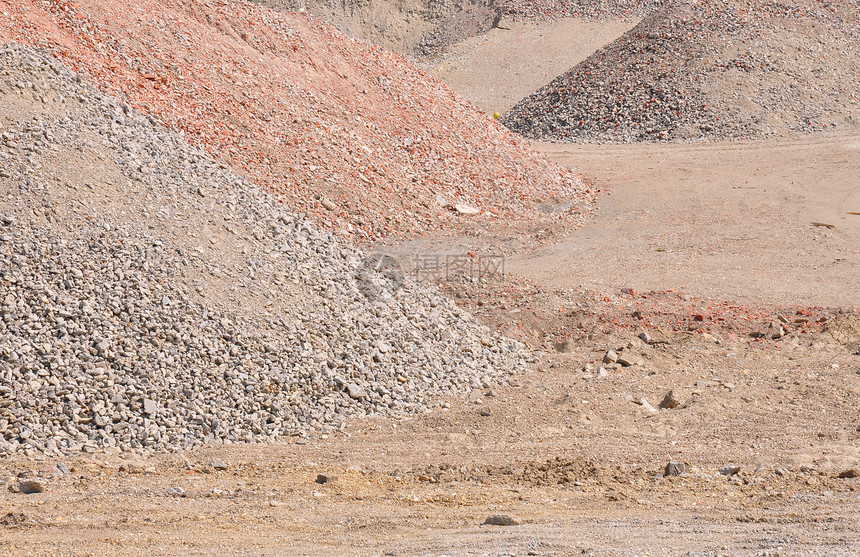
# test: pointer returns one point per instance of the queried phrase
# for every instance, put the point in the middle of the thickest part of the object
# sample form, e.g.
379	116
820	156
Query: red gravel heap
341	129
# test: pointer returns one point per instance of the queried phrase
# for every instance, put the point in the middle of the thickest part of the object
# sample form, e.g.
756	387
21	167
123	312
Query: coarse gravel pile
726	69
417	28
152	299
549	10
342	130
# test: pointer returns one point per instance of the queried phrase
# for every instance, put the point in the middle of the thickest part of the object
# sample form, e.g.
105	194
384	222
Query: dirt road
575	452
577	459
760	222
497	69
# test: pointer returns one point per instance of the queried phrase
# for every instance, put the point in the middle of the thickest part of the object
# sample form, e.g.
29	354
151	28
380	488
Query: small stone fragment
149	406
611	357
175	491
466	209
501	520
355	391
730	470
669	401
675	468
325	479
628	360
643	402
31	486
850	473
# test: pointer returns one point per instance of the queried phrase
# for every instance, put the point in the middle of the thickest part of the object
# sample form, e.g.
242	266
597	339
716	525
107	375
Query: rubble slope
334	127
735	69
152	299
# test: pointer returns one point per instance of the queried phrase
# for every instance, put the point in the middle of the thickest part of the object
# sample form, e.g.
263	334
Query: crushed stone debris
304	112
710	70
137	314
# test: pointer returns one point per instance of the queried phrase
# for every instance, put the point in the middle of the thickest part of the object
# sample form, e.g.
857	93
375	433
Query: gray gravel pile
417	28
548	10
153	300
708	70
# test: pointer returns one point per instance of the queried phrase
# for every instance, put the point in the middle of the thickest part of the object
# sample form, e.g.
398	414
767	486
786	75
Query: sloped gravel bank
152	299
708	70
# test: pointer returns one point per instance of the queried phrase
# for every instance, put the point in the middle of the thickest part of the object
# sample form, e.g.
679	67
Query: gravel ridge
348	133
708	71
154	300
548	10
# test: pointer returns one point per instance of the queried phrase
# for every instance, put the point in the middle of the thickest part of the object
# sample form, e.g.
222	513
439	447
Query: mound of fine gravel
152	299
728	69
547	10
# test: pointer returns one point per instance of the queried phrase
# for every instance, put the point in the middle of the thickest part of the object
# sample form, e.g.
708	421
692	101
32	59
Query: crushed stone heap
152	299
345	131
728	69
549	10
413	27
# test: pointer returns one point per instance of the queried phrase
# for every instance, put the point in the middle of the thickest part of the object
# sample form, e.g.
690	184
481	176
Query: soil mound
708	70
336	128
549	10
414	27
152	299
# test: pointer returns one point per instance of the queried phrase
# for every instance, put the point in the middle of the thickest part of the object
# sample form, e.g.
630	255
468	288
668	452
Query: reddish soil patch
343	130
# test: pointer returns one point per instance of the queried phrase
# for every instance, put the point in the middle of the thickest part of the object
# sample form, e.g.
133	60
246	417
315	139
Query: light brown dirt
735	221
575	459
498	68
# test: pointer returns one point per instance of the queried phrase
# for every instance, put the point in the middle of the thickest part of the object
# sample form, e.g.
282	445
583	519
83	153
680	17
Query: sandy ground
571	458
577	460
733	221
497	69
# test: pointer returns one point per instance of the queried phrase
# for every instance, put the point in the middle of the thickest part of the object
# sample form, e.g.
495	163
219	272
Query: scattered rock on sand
850	473
628	360
325	479
669	401
501	520
175	491
643	402
674	468
464	209
730	470
30	486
